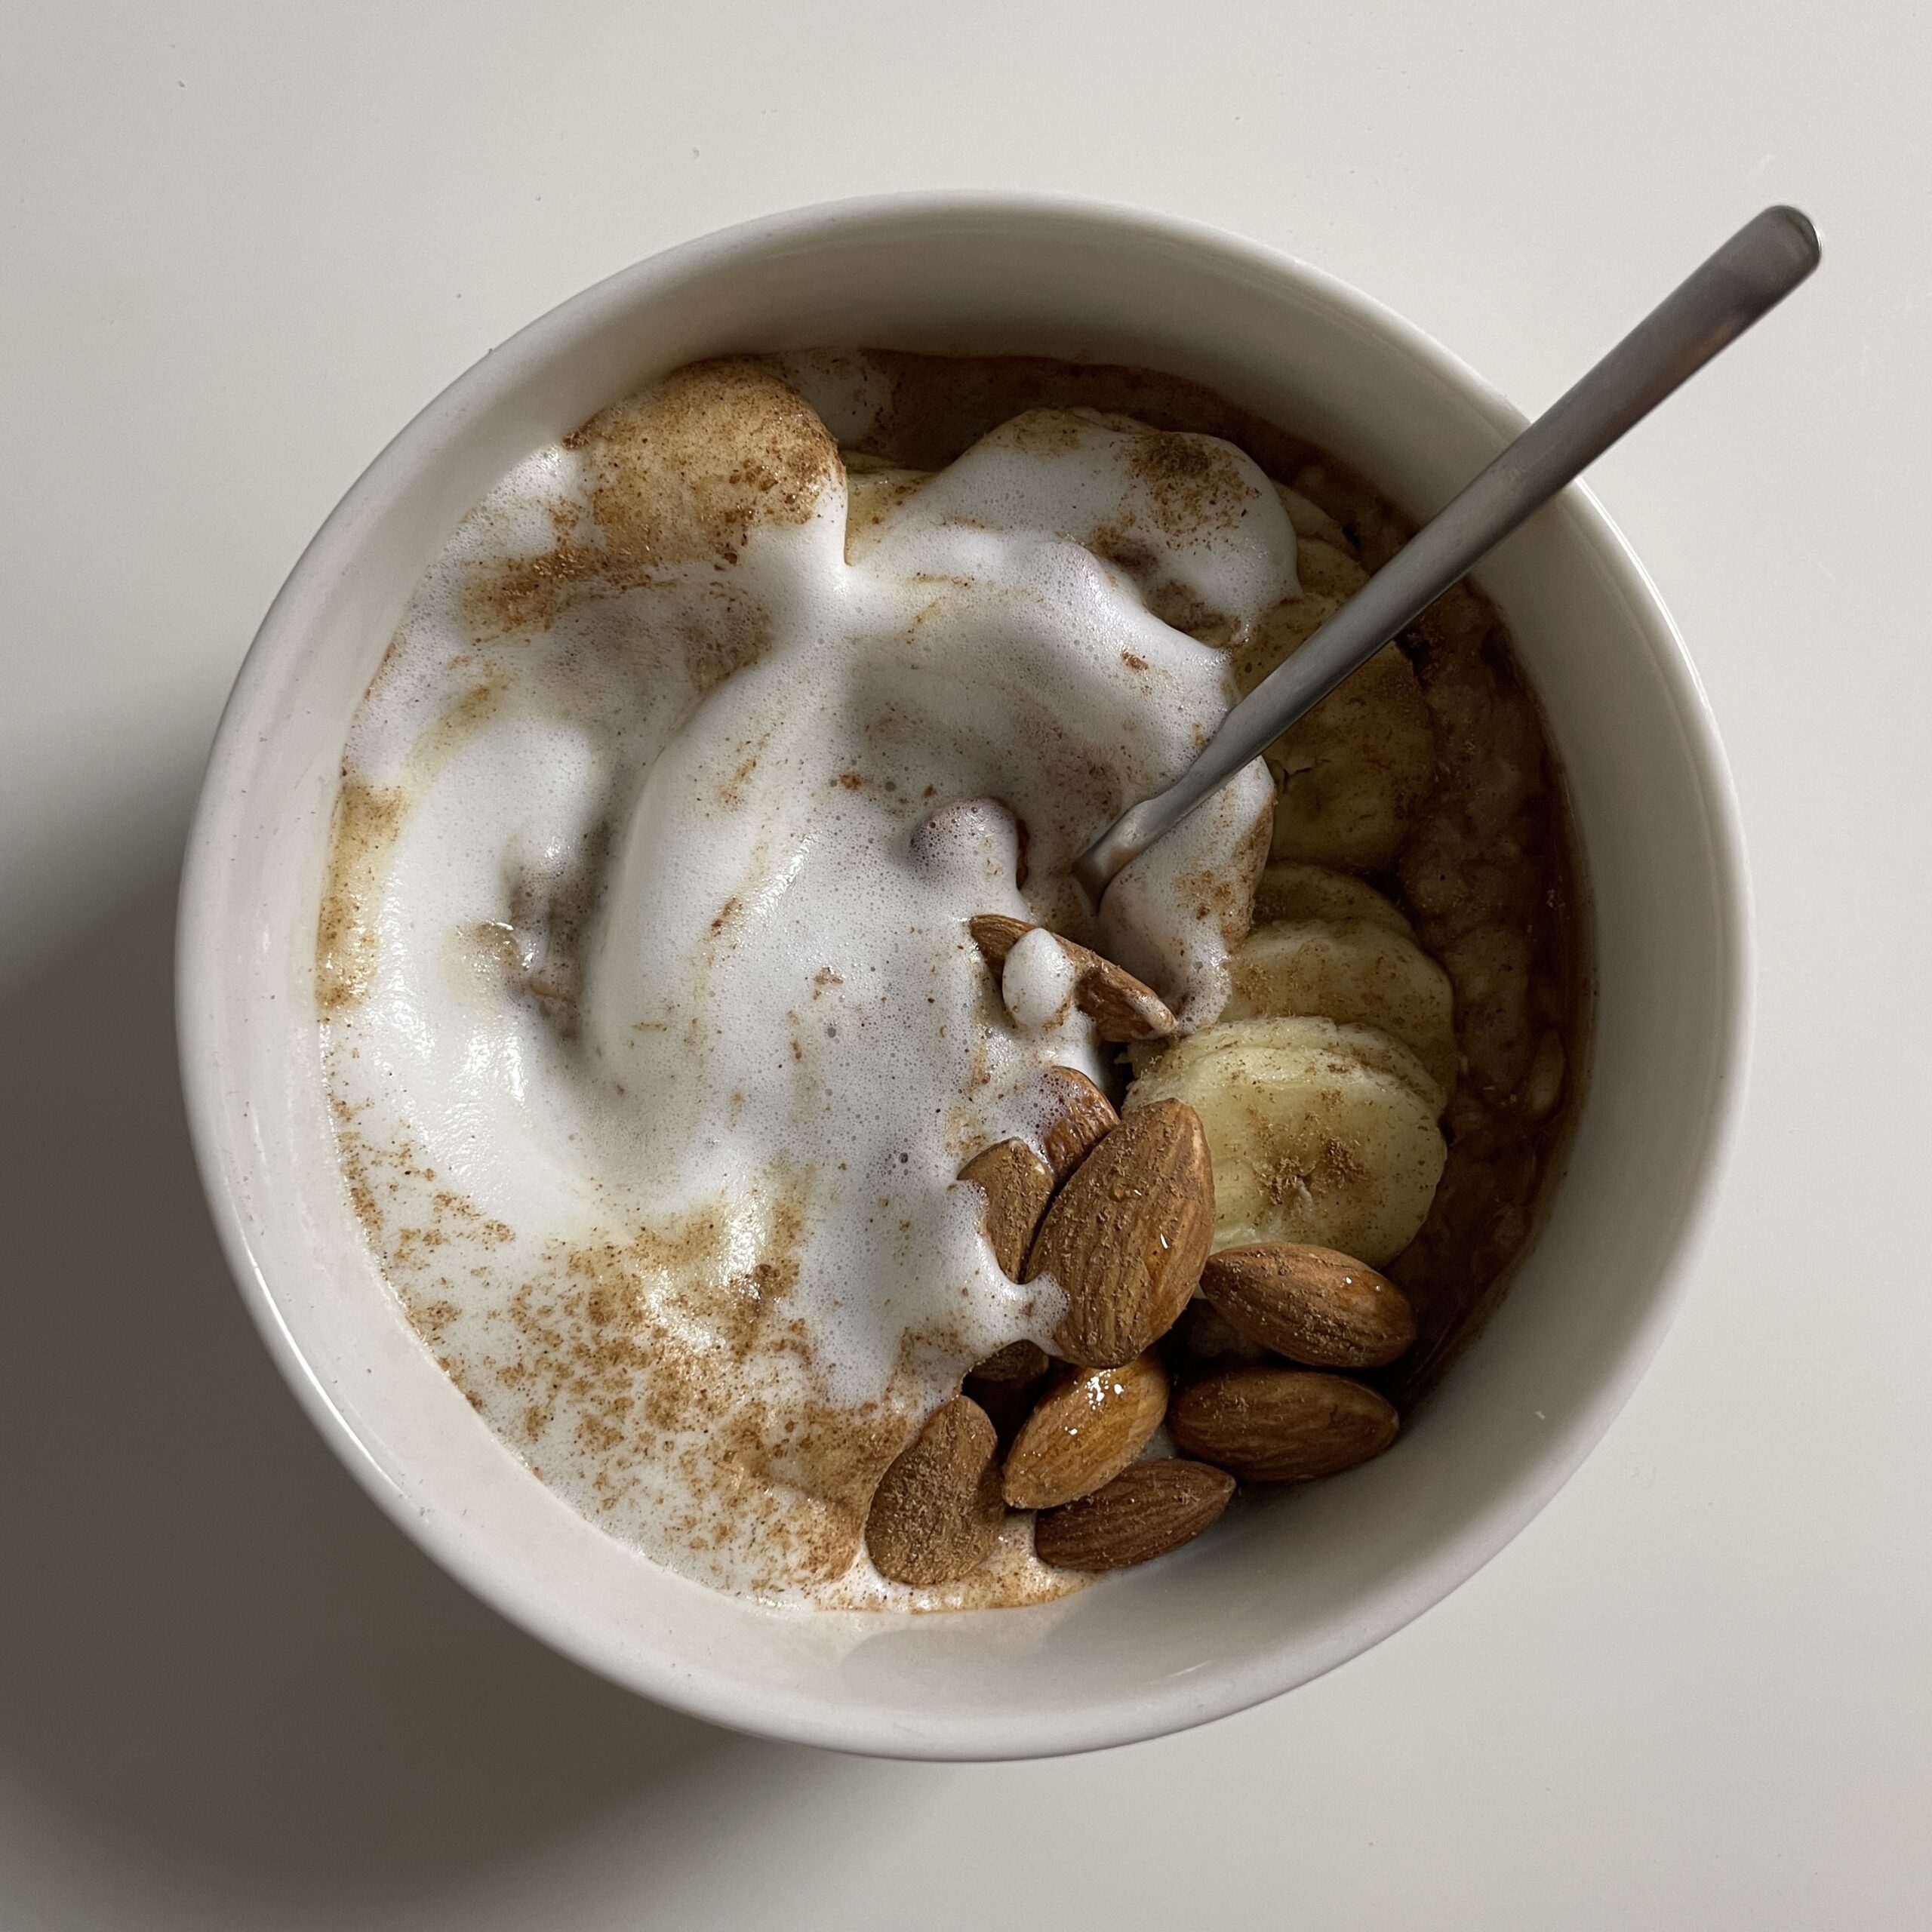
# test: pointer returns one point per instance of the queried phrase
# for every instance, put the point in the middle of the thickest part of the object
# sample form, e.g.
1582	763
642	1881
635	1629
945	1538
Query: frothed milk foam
654	1031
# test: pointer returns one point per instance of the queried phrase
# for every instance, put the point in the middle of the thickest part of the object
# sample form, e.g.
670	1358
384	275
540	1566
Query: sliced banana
1289	889
1320	1087
1328	569
1281	630
1312	523
1355	769
1319	1132
1355	972
1328	577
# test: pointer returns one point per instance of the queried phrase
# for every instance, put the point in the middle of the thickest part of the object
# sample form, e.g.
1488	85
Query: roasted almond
1121	1006
1017	1185
1085	1431
996	934
1311	1304
936	1513
1281	1425
1148	1509
1125	1238
1080	1118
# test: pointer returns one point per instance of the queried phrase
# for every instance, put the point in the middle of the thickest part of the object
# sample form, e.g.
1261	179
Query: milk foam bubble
1037	983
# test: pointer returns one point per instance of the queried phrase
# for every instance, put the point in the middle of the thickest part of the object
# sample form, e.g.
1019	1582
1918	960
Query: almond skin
996	934
1281	1425
1121	1008
1085	1432
1082	1117
1126	1237
1017	1185
1147	1510
1311	1304
936	1513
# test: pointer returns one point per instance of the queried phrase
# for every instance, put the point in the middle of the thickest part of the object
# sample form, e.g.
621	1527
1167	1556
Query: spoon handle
1749	275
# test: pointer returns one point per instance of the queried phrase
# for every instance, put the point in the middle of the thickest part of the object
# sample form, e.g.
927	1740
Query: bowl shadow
222	1659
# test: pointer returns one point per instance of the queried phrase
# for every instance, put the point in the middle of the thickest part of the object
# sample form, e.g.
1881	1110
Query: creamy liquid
655	1034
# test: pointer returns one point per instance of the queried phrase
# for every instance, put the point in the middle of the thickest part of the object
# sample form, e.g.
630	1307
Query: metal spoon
1749	276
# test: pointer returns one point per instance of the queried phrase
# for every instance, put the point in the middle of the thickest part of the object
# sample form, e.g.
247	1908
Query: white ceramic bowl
1256	1607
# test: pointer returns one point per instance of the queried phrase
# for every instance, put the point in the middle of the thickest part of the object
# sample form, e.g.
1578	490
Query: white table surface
242	245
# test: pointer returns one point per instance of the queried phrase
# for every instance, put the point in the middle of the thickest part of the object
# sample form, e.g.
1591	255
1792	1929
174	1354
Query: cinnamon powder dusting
366	821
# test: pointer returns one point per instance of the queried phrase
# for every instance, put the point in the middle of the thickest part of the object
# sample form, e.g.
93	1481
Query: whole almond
1148	1509
1080	1118
1281	1425
1085	1432
1311	1304
1121	1008
996	934
936	1513
1125	1238
1017	1185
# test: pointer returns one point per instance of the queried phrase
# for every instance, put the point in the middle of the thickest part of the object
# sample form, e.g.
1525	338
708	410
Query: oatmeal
660	1011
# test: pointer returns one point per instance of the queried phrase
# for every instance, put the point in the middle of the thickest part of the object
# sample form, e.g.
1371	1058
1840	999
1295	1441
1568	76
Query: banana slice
1353	971
1281	630
1319	1132
1328	569
1328	576
1289	889
1355	770
1312	523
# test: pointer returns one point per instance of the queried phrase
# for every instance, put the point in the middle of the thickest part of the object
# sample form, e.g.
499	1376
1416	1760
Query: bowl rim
1154	1710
